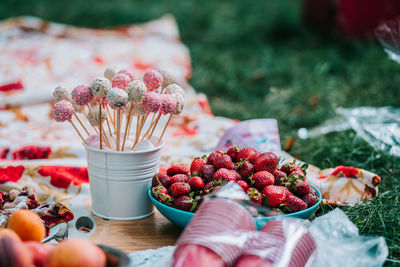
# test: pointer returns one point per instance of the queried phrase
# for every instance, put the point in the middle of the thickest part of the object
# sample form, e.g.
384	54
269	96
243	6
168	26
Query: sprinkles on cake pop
120	81
138	110
152	79
179	103
63	111
167	104
136	91
174	89
94	117
61	93
117	98
152	102
100	87
127	72
82	95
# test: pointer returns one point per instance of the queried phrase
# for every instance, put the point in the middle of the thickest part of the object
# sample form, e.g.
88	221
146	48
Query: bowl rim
156	148
314	207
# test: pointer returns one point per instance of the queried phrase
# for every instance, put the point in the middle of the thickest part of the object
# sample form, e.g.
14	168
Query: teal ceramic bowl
182	218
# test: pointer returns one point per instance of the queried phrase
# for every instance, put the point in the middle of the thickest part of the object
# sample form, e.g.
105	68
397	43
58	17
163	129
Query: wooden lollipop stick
106	139
76	129
165	127
129	128
126	126
80	122
100	127
144	118
155	125
109	115
118	128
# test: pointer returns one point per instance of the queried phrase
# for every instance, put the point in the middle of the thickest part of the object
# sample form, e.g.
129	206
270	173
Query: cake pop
61	93
152	79
110	72
127	72
136	90
167	104
167	78
100	87
120	81
138	110
63	111
94	117
174	89
179	103
117	98
82	95
152	102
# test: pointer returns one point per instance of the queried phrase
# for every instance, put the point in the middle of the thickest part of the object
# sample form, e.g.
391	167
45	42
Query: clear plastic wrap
380	127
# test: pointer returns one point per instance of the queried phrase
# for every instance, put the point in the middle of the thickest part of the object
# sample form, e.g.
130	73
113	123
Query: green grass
255	59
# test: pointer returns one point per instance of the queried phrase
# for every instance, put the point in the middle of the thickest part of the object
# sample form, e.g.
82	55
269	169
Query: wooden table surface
152	232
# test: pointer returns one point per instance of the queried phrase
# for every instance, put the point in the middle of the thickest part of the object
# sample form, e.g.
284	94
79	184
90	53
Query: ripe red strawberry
196	164
207	172
196	183
224	174
165	199
294	203
222	161
288	192
254	195
298	172
211	157
233	152
274	195
178	169
157	190
289	167
248	154
183	203
179	189
164	179
179	178
279	175
243	184
238	177
266	162
262	179
310	199
301	188
245	169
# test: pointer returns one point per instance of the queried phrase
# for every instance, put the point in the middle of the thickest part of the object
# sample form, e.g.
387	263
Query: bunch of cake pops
119	97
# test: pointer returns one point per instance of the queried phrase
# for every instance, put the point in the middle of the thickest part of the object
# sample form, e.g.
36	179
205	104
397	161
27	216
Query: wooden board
152	232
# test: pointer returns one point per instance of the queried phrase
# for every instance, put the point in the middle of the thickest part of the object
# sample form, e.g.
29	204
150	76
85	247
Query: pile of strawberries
283	188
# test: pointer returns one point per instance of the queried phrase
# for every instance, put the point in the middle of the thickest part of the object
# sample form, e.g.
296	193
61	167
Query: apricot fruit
13	253
27	225
76	253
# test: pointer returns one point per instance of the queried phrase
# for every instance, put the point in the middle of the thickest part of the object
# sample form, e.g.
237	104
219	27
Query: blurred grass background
255	59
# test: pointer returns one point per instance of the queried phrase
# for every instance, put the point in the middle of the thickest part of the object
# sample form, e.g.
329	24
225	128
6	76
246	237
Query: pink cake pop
82	95
152	102
120	80
152	79
167	104
127	72
63	111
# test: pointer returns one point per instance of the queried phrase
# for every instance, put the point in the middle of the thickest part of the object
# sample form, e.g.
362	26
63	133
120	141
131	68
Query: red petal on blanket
31	152
11	174
62	176
3	152
11	86
345	171
141	65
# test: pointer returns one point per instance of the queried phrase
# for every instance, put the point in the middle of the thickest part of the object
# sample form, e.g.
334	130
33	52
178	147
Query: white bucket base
123	218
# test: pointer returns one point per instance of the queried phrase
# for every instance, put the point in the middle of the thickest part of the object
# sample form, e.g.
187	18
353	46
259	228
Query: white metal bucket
119	181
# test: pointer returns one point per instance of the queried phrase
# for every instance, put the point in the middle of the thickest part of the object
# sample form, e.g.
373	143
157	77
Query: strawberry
157	190
178	169
262	179
165	199
211	157
248	154
298	172
289	167
294	203
222	161
238	177
179	188
179	178
233	152
245	169
164	179
196	164
266	162
183	203
207	172
310	199
274	195
254	195
300	188
279	175
224	174
196	183
243	184
288	192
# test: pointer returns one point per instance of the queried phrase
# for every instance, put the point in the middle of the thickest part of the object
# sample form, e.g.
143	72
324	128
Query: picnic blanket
36	56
